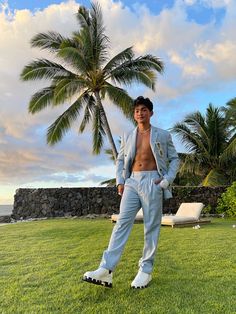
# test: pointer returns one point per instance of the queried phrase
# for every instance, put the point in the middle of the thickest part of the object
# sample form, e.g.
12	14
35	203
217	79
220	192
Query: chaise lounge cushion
187	213
175	219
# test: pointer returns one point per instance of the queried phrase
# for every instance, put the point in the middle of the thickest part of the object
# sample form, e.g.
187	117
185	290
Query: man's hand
120	189
164	183
157	181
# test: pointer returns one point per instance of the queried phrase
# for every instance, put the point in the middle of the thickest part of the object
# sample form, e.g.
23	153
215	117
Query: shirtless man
146	165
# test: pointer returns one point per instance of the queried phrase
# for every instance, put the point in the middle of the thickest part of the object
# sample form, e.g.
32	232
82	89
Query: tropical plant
227	202
85	76
211	147
184	178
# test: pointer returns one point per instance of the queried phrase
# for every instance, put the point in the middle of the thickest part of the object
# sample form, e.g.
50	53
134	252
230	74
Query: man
146	165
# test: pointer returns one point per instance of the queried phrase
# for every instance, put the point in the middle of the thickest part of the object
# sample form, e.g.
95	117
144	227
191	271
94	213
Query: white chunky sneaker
141	280
100	276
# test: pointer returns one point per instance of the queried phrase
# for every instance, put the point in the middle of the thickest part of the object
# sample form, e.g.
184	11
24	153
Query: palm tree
211	147
85	76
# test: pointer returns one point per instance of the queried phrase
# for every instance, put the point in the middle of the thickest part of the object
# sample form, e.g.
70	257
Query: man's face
142	114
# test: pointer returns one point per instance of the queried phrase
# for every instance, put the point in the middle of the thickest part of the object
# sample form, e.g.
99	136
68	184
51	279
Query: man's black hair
143	101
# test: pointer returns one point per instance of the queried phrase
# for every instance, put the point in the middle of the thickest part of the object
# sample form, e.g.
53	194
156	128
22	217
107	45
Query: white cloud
190	68
209	3
217	3
218	52
221	55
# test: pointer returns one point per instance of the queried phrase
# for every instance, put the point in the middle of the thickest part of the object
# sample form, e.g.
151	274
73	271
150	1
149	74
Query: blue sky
153	5
199	11
194	38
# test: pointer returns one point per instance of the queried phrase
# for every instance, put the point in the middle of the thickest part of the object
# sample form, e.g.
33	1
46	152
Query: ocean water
5	209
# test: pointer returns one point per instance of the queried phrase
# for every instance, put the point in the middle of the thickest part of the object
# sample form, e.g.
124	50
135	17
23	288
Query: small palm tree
85	76
211	147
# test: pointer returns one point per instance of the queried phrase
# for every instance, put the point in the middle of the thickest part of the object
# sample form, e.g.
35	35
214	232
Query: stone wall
59	202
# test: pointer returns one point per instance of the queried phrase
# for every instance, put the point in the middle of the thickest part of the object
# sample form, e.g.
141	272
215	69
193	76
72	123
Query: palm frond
127	76
63	122
230	115
67	88
50	41
147	62
190	139
83	17
75	42
89	112
190	170
74	57
141	69
214	178
42	99
87	49
191	164
125	55
43	69
196	122
109	152
121	99
98	131
231	103
109	183
229	152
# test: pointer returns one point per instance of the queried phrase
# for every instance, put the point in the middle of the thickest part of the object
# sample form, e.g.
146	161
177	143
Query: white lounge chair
188	214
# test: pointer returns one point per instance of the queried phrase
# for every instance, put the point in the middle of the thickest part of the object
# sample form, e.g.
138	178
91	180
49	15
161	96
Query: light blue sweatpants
140	191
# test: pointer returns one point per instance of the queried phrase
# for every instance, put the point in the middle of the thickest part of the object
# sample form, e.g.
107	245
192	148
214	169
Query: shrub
207	210
227	202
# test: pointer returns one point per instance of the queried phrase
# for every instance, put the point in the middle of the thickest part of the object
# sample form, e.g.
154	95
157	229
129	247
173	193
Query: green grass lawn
42	263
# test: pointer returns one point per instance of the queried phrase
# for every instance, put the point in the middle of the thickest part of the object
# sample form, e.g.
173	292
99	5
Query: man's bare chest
143	145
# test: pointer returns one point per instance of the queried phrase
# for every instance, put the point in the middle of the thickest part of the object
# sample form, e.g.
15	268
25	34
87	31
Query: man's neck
143	127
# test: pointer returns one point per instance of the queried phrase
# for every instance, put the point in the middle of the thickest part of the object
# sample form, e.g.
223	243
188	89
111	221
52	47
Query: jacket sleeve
173	161
120	164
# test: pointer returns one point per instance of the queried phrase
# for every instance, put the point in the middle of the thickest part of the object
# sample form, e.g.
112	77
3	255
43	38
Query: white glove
164	183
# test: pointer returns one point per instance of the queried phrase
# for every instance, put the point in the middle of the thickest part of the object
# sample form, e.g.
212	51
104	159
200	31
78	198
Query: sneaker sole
141	287
97	282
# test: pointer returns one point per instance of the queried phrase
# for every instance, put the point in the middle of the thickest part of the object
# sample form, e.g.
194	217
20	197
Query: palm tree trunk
107	127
